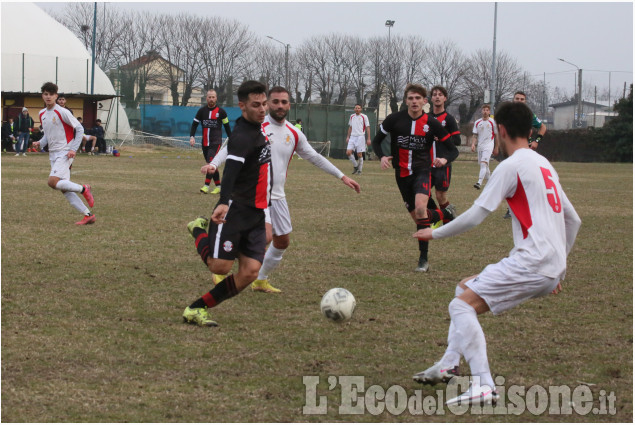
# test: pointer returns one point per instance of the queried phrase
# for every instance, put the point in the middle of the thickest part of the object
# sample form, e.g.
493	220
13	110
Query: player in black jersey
412	136
238	221
441	175
212	119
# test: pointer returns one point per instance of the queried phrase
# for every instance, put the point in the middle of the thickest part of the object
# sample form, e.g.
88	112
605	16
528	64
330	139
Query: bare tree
405	62
445	65
315	53
377	53
356	65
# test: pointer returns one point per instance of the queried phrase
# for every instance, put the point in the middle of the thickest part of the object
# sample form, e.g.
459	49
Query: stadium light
579	90
389	24
286	60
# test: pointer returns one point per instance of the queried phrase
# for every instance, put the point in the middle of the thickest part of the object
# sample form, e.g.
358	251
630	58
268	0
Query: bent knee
52	182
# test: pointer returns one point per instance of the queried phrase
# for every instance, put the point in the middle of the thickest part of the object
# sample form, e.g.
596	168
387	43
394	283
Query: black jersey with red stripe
412	140
211	120
448	150
247	178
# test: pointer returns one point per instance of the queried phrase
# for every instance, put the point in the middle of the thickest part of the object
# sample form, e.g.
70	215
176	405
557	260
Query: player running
485	134
237	229
285	139
544	227
412	134
358	126
58	124
441	175
211	118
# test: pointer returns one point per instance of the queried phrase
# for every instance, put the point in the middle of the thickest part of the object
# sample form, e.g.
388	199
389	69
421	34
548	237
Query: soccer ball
338	304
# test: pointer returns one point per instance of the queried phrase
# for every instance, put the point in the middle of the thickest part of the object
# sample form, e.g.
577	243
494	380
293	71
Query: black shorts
209	152
440	178
418	182
243	232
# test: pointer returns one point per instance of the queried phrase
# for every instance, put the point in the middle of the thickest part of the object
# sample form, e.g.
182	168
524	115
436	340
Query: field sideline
91	316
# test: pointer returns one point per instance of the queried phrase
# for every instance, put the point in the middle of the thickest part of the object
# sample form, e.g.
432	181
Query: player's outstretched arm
469	219
351	183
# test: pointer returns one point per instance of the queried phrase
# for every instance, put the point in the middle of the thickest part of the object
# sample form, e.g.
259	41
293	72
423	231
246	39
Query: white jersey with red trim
286	139
485	131
532	189
358	124
62	131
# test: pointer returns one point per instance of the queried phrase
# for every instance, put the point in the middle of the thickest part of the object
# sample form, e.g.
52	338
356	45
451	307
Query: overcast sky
594	36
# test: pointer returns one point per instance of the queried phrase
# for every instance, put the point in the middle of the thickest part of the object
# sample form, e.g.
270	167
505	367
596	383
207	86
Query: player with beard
285	139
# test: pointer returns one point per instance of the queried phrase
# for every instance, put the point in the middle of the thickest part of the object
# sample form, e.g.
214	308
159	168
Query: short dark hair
49	87
486	105
61	95
279	89
79	118
299	120
520	92
516	117
98	120
250	87
439	88
359	104
417	88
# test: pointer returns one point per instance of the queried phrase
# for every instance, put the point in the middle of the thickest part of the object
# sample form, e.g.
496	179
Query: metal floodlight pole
492	84
286	60
579	90
389	23
92	75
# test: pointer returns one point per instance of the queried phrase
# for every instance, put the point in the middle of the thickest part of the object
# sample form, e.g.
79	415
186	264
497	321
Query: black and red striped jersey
448	150
411	141
211	120
247	178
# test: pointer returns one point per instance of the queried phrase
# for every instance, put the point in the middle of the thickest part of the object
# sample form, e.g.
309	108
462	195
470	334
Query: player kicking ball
58	124
544	227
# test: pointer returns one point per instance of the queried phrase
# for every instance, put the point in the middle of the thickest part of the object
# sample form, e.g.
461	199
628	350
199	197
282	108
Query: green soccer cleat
205	189
437	225
200	222
216	190
263	285
198	316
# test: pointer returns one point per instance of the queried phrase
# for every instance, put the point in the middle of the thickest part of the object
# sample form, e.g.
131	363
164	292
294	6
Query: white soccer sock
452	355
471	340
273	256
352	158
68	186
77	203
483	172
360	162
488	173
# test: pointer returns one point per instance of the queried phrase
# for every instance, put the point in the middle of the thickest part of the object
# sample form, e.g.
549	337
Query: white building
565	114
48	51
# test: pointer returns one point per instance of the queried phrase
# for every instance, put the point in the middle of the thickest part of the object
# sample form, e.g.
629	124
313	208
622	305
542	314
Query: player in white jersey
544	226
63	134
285	139
358	127
487	135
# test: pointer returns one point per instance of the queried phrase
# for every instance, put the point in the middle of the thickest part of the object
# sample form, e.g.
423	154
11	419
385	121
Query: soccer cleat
17	154
263	285
200	222
436	374
507	214
477	186
216	190
205	189
88	195
218	278
354	170
423	265
359	172
452	210
198	316
88	219
437	224
476	395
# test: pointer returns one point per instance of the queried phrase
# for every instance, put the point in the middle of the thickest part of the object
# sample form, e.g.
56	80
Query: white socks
360	162
273	256
452	355
352	158
471	340
68	186
483	173
77	203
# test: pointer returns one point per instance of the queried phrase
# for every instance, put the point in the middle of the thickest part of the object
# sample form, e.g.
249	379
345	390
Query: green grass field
91	316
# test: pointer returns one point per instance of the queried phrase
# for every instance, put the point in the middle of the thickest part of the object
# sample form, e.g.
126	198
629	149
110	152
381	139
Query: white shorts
280	218
356	143
60	165
484	155
86	137
506	284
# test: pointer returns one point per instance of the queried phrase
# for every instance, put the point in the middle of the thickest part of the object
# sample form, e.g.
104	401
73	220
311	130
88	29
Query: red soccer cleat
88	195
88	219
